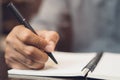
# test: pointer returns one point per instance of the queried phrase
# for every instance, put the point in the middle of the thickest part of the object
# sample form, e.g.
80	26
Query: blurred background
83	25
28	9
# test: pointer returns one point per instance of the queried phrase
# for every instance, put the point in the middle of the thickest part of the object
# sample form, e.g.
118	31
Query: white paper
108	67
71	64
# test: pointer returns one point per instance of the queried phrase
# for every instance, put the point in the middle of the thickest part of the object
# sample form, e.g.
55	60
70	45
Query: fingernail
50	47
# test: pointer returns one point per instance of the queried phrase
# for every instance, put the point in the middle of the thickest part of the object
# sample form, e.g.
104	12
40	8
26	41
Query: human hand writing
25	50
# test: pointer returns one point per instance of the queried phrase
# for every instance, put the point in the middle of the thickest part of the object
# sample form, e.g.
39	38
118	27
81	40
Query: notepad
71	64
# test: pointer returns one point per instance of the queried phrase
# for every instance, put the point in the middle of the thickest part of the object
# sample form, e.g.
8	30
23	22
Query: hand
24	49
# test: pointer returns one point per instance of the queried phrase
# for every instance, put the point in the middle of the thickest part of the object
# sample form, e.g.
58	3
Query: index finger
28	37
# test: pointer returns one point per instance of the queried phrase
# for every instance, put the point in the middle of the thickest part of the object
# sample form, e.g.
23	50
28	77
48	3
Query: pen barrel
27	25
19	17
96	60
22	20
93	63
15	12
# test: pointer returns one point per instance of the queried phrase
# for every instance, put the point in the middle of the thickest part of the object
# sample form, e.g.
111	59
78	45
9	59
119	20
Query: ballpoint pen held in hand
23	21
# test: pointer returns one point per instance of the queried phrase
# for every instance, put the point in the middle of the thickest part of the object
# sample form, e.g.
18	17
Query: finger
19	61
28	37
11	61
30	52
35	54
15	65
49	35
52	37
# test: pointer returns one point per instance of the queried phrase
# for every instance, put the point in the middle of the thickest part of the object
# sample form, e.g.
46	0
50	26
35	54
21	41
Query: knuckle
29	51
23	32
9	42
27	61
8	39
17	28
26	35
42	58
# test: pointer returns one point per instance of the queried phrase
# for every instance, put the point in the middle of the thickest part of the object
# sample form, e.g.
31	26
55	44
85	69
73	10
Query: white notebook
71	64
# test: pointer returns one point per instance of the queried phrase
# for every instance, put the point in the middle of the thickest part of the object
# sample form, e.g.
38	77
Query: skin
25	50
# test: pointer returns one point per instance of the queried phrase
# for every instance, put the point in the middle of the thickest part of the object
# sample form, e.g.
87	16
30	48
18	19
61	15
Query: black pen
92	64
23	21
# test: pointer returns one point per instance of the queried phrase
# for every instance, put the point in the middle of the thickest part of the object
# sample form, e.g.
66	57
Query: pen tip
52	57
56	62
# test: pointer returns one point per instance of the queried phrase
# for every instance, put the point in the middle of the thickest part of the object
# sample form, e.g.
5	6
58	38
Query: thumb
52	38
50	47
